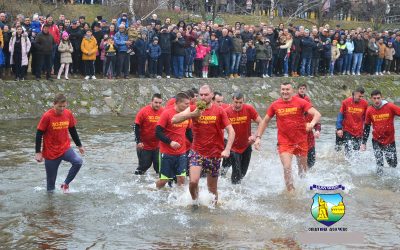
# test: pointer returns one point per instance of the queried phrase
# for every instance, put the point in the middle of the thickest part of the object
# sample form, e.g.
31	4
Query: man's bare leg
161	183
286	159
180	180
212	183
302	165
195	172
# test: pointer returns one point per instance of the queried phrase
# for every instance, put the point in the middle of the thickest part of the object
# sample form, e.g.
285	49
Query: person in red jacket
381	116
350	122
292	130
54	127
302	93
145	133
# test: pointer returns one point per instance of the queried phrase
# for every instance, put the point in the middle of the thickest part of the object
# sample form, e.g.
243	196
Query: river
110	208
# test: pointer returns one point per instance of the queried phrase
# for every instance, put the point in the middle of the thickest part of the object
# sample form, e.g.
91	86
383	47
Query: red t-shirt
290	119
56	135
309	118
208	135
170	102
353	116
175	132
147	119
225	106
241	123
382	122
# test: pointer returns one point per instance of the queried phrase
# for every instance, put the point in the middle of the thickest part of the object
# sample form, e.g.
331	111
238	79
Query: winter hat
65	35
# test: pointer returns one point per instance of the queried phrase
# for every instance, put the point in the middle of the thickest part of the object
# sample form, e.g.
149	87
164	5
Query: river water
110	208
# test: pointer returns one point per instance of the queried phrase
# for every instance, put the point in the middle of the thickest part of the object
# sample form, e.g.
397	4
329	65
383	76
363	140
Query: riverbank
29	99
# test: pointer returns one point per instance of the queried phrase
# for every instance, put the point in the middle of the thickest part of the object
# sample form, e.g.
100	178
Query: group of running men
183	139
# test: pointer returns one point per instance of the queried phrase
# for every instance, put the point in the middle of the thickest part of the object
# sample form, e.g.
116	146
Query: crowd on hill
122	48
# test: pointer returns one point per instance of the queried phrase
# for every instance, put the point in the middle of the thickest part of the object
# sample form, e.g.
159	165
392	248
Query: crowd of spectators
122	48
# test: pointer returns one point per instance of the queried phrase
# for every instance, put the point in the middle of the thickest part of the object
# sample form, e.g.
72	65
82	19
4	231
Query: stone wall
30	99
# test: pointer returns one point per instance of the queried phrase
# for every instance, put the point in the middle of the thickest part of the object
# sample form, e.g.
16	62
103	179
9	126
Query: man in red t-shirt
218	100
145	133
350	122
301	93
208	141
240	116
54	127
292	130
381	115
173	143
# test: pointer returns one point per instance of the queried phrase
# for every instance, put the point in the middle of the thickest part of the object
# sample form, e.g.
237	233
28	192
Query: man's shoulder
144	109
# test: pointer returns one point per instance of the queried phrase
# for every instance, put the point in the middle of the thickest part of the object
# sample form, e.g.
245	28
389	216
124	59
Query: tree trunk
215	7
131	10
202	9
271	12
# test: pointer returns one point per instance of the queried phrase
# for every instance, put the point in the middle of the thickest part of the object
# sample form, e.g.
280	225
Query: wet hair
215	94
195	91
359	90
287	83
237	96
190	93
376	92
180	97
59	98
156	95
302	85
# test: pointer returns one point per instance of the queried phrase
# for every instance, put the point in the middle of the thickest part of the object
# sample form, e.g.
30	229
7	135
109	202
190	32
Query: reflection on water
109	207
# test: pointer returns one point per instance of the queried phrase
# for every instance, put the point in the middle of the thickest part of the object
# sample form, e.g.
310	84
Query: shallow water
110	208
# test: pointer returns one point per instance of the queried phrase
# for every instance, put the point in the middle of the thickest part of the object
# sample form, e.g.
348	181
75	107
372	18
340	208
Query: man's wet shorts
300	149
172	165
208	165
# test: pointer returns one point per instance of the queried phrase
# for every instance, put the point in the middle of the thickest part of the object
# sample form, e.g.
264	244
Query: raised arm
185	115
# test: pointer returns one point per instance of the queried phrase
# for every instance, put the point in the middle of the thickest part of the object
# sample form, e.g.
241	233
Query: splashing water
109	207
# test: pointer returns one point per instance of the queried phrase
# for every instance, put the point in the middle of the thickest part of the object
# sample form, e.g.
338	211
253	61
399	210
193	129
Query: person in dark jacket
122	42
154	52
343	53
214	46
75	37
307	45
140	48
178	55
98	34
44	44
326	56
316	55
372	55
359	49
396	57
190	54
251	58
295	53
272	35
165	42
225	47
